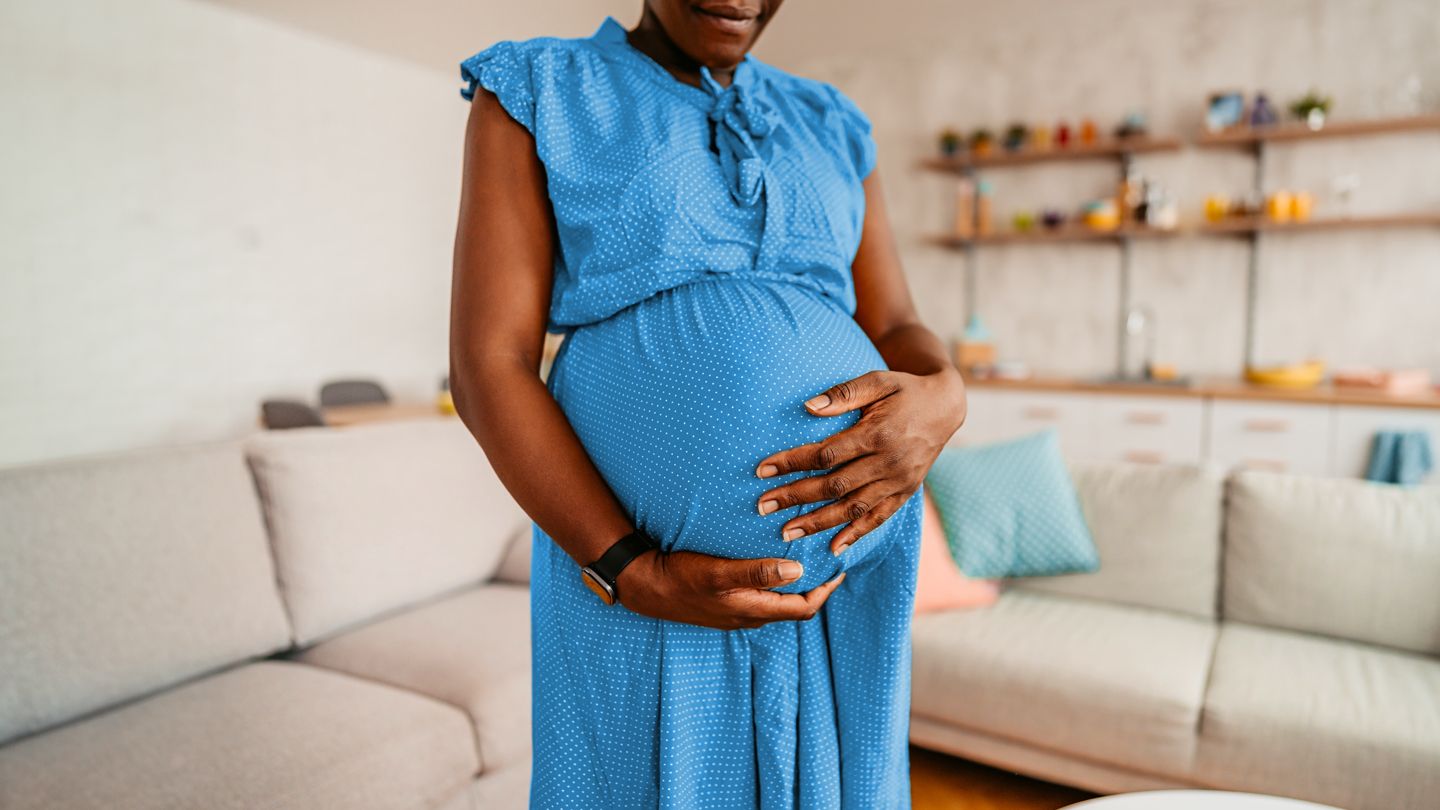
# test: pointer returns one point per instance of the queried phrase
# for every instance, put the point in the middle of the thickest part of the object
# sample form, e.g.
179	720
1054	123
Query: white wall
209	203
201	209
1350	298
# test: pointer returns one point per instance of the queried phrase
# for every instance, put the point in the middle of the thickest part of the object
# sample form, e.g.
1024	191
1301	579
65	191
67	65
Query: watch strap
620	554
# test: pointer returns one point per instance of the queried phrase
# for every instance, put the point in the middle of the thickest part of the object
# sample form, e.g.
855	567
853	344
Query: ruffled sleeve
503	69
857	131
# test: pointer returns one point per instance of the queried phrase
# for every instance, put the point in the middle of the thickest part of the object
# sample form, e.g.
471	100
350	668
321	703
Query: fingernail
791	570
793	532
767	470
840	576
818	402
766	507
841	549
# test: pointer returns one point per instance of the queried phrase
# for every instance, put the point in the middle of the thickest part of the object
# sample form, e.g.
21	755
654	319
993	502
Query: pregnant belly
679	397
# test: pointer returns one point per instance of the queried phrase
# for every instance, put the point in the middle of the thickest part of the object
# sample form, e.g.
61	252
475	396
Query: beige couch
343	622
1268	633
357	636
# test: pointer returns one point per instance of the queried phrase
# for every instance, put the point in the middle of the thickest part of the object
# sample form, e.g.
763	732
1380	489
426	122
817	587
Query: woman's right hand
718	592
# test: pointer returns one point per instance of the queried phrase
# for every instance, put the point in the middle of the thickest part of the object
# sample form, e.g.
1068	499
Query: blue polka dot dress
703	284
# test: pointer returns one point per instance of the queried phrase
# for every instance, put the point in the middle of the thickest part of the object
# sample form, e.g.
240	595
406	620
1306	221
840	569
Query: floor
940	782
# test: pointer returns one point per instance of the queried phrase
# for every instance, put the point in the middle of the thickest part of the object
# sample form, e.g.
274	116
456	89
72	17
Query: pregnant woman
724	464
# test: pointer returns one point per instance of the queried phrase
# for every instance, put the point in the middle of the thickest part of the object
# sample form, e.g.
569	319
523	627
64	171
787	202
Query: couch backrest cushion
1336	556
372	518
1157	528
123	574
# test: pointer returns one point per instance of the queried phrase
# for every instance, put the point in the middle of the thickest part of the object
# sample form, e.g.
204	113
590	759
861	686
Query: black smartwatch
600	575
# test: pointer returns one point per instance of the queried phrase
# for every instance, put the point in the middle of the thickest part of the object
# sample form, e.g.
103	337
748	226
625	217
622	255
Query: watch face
594	582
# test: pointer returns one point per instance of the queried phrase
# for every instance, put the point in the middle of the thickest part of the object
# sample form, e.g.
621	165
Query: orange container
1278	206
1301	203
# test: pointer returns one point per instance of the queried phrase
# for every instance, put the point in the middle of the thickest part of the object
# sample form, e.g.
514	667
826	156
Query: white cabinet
1271	436
987	416
1355	429
998	415
1300	438
1156	430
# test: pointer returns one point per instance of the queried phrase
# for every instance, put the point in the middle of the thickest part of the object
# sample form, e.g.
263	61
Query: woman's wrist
645	573
949	386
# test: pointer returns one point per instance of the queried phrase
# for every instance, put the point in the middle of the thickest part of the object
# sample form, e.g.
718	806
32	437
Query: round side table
1195	800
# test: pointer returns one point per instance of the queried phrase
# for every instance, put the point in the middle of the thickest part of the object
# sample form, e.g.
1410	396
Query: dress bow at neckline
743	123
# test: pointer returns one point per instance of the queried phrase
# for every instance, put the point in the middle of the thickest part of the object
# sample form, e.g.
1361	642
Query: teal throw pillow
1010	509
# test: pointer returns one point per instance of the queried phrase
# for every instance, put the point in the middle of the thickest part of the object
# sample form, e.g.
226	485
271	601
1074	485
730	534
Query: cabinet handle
1145	418
1144	457
1037	413
1267	425
1266	464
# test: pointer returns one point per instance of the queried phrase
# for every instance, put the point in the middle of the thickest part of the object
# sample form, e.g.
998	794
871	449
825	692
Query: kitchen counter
1214	388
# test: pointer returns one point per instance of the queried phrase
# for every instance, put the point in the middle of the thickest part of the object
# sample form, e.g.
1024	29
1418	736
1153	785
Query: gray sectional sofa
1266	633
334	624
327	618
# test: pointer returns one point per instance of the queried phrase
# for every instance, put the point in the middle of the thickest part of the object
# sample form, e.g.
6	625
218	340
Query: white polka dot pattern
698	324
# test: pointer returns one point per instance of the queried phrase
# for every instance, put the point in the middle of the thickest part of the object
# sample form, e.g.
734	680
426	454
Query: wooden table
348	415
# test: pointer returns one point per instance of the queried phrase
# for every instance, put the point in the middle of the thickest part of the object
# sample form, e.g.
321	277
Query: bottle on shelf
1127	196
965	208
984	215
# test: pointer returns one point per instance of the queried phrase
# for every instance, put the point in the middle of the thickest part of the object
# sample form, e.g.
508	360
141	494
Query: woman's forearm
536	454
914	349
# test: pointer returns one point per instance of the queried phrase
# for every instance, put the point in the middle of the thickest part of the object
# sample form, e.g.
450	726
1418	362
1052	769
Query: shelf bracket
1252	267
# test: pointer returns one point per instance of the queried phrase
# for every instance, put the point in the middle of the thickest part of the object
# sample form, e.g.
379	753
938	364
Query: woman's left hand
877	463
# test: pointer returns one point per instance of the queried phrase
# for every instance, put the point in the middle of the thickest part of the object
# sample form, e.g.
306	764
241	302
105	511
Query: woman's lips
727	21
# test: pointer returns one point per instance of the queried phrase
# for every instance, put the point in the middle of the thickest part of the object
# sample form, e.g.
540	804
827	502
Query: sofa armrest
515	565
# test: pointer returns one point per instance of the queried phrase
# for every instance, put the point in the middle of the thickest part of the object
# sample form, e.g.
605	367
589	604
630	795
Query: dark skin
504	253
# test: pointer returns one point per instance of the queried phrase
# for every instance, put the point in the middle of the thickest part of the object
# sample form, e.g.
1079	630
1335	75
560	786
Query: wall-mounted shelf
1250	136
1229	227
1048	237
1252	139
1247	226
1107	149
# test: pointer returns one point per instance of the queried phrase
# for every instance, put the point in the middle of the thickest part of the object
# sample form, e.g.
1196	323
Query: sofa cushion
1336	722
1114	684
123	574
1340	557
1010	509
940	584
273	735
372	518
471	650
1157	528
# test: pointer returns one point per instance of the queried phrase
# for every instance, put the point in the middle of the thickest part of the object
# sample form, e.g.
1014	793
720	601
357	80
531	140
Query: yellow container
1278	204
1103	216
1217	206
1301	203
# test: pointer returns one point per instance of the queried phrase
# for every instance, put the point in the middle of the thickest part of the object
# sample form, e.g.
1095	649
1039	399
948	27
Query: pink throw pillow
941	585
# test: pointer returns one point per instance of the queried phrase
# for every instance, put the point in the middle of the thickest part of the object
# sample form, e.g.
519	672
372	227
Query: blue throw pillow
1010	509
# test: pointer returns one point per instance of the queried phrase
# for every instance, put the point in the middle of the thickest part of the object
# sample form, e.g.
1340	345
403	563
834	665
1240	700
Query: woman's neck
650	38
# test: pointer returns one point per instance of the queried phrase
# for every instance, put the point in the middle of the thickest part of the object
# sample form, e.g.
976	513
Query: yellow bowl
1300	375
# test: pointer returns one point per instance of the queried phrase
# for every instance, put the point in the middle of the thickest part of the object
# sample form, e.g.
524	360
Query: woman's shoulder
536	60
830	107
817	96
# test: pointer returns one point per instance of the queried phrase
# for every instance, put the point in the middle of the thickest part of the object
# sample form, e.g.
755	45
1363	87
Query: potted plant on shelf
1016	137
1312	109
950	140
981	140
